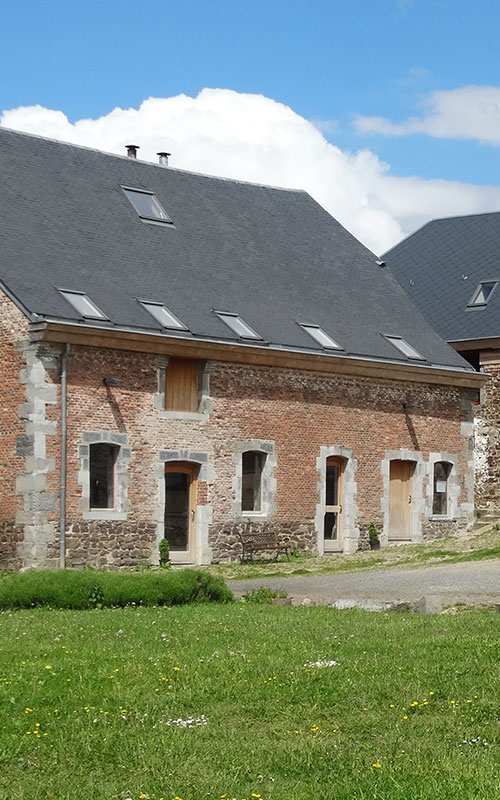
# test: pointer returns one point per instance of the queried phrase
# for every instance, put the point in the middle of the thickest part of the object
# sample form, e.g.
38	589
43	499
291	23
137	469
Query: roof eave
57	331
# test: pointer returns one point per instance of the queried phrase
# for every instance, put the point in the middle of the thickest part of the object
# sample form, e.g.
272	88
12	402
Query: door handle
340	509
193	514
409	498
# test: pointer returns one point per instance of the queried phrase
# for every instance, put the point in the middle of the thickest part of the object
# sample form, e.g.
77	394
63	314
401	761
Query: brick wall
300	412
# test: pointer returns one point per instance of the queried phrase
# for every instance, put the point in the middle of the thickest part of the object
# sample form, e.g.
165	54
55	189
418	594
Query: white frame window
238	325
162	315
320	336
82	304
404	347
147	205
482	294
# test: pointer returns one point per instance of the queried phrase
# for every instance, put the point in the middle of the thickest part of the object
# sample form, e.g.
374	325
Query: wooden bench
260	541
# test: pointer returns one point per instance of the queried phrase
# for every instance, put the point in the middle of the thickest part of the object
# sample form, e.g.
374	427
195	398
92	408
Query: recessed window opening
162	315
323	338
482	293
147	205
237	325
102	475
251	486
442	471
405	348
182	385
83	305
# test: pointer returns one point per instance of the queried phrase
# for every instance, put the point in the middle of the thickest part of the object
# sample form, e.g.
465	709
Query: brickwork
297	413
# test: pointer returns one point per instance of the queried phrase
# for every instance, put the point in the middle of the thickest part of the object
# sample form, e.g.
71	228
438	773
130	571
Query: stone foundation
226	545
110	545
433	529
10	536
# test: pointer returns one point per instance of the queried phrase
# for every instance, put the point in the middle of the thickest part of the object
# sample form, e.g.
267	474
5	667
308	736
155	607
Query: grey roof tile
442	264
273	256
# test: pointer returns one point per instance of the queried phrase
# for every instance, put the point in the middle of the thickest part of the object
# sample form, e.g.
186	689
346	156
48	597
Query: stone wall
226	545
487	434
110	545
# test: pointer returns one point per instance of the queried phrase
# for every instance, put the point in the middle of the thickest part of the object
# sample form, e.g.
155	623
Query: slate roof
441	266
273	256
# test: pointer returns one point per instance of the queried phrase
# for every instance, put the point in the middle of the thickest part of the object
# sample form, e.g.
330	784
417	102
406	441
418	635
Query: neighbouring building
187	357
450	268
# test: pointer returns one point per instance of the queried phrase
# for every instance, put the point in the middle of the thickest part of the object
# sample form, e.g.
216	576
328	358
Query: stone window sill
441	518
195	416
105	514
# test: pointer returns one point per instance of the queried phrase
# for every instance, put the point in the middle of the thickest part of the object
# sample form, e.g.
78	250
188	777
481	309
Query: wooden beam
261	356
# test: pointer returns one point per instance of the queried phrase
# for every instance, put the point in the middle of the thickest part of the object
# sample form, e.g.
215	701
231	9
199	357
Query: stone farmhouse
451	270
188	357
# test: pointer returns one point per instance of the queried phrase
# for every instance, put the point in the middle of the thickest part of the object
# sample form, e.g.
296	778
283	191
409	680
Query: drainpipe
62	483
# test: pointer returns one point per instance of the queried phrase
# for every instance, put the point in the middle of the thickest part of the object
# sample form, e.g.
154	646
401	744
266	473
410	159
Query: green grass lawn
96	704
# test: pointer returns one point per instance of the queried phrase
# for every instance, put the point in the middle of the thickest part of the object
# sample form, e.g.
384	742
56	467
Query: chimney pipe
163	158
132	150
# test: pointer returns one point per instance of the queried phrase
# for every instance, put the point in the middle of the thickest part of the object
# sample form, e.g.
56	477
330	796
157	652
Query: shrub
373	537
68	588
164	549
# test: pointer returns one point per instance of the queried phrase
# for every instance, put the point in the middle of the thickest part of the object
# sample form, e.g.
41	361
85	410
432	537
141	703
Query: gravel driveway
471	583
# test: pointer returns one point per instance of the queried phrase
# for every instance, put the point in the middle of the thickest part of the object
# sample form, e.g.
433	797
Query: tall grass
94	588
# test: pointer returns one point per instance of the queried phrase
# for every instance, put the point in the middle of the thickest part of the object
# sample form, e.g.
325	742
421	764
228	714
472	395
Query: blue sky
330	62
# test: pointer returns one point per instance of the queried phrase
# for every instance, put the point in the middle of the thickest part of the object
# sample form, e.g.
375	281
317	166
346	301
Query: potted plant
373	537
164	554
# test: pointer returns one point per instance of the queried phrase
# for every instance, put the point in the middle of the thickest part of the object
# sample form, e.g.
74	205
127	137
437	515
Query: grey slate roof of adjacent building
441	266
273	256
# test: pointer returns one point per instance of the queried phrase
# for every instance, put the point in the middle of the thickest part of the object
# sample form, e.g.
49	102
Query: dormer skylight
83	305
163	315
322	338
147	205
482	294
405	348
237	325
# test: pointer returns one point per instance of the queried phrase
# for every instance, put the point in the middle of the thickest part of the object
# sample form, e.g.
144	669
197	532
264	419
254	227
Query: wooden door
332	524
180	510
400	499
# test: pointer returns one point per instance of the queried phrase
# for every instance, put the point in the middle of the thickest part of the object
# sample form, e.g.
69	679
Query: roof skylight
322	338
147	205
482	293
83	305
237	325
163	315
405	348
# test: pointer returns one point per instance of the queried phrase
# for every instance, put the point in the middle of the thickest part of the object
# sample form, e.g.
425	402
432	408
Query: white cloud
251	137
470	112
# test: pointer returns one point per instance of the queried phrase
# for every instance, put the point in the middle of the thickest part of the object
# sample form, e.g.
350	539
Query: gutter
63	469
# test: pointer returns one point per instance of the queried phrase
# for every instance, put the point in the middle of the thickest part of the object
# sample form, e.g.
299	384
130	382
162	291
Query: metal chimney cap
163	153
132	150
163	158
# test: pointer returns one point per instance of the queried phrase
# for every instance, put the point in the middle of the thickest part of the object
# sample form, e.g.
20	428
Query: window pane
321	337
332	484
164	316
147	205
177	509
102	475
483	293
330	525
440	492
83	305
239	327
404	347
251	483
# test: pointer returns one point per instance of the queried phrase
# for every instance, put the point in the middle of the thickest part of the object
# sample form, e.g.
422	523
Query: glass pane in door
330	528
332	484
177	510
